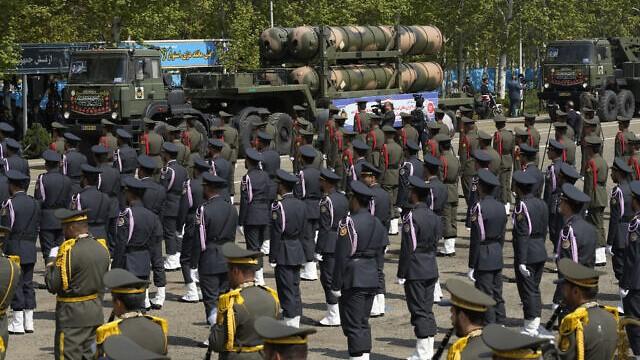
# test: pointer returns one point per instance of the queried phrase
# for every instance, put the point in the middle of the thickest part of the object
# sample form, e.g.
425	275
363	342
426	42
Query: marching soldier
220	166
120	347
343	152
192	139
151	141
101	212
71	161
534	135
57	138
417	265
53	191
482	161
337	142
361	120
484	143
622	148
216	220
630	276
488	223
530	223
467	145
154	194
127	294
174	136
74	273
125	157
551	194
217	132
109	180
529	165
21	214
307	139
569	152
359	248
230	137
588	323
375	140
620	205
139	238
328	143
509	344
449	170
107	139
270	157
634	159
561	117
468	308
254	206
503	143
391	157
9	274
588	129
288	222
412	166
437	200
378	207
308	190
443	127
431	145
521	137
407	131
334	206
282	341
595	186
245	302
360	150
13	159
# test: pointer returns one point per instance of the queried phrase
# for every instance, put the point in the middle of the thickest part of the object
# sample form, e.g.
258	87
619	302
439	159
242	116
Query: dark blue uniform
125	159
109	183
411	167
192	199
359	249
270	161
102	211
254	208
288	221
53	191
333	208
488	222
17	162
172	178
222	168
532	168
631	281
551	196
21	213
621	214
421	230
379	207
216	222
154	196
72	160
308	190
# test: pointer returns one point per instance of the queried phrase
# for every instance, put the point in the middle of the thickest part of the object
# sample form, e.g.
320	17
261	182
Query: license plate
565	94
88	128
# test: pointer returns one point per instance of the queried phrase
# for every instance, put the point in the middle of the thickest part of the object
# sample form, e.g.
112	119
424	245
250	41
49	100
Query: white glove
400	281
624	293
291	158
273	265
324	157
336	293
194	275
610	250
470	275
53	252
241	230
318	257
523	270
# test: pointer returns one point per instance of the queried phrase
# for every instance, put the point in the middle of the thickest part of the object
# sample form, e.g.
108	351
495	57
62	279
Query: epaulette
106	330
573	323
164	325
225	312
103	242
61	262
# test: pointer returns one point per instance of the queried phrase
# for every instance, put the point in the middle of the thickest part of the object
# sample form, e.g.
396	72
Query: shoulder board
571	321
106	330
612	310
270	291
164	324
103	242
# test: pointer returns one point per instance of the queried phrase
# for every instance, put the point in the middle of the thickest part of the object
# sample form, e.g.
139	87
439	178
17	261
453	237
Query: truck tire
587	100
608	106
244	132
626	103
284	126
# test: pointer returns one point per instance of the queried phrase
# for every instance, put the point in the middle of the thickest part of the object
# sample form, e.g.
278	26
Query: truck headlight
114	115
73	93
546	85
584	85
66	115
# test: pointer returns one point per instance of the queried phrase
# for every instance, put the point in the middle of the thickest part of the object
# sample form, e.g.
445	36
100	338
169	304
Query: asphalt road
392	334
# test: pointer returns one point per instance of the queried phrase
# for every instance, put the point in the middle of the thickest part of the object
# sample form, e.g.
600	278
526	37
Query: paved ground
393	336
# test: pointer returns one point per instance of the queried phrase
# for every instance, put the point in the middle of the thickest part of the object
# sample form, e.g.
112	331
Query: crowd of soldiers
335	212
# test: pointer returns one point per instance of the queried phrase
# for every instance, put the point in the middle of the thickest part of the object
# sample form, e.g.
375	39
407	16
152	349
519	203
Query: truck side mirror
140	70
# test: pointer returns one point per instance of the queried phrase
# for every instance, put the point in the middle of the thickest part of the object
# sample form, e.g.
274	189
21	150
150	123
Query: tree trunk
461	62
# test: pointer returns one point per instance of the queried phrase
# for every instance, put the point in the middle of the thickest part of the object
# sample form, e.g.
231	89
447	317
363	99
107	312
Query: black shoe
156	306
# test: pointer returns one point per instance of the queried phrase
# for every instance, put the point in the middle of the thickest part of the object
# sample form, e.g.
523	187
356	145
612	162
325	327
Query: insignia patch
120	220
274	215
3	212
564	344
614	201
520	217
474	217
73	205
407	228
343	231
402	171
566	244
243	186
633	237
588	169
323	209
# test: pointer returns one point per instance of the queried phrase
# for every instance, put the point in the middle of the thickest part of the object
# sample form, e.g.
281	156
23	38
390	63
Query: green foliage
36	141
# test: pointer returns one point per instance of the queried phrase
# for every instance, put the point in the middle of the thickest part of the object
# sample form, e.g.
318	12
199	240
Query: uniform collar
420	204
130	314
136	203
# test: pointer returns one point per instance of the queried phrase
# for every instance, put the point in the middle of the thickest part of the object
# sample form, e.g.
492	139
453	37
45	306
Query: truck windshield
101	70
570	53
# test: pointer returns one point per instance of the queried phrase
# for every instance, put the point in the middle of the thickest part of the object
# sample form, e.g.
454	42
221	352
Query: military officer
551	194
245	302
468	308
412	166
630	277
155	194
344	153
528	164
217	132
589	331
57	138
562	118
431	145
437	200
595	186
443	127
139	238
521	137
107	139
328	142
622	148
120	347
53	191
21	214
421	230
634	159
254	205
270	157
360	244
307	139
449	170
333	208
282	341
530	223
620	205
151	141
71	160
484	143
503	143
569	152
308	190
361	120
378	207
391	156
482	161
509	344
125	157
230	137
74	273
534	135
287	246
101	211
588	129
375	140
360	150
407	131
488	223
192	139
127	293
467	145
6	131
216	220
13	159
220	166
9	274
109	180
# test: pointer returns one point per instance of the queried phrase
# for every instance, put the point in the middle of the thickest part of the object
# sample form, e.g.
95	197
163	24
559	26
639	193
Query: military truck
315	65
603	74
123	85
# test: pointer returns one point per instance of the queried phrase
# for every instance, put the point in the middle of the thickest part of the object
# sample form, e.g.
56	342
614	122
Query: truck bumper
561	95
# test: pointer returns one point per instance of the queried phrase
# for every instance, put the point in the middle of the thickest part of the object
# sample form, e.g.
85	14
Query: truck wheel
608	106
587	100
245	130
626	103
284	125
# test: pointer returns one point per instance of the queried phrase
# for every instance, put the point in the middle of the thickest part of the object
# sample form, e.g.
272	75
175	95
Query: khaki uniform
361	124
110	142
409	133
569	153
183	153
622	148
391	156
337	156
503	143
151	144
534	138
595	186
230	138
148	331
329	142
58	145
233	335
449	171
375	139
599	334
75	276
468	143
9	277
470	347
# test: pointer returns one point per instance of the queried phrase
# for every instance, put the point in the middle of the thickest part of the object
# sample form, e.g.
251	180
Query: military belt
247	349
74	299
366	254
491	240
